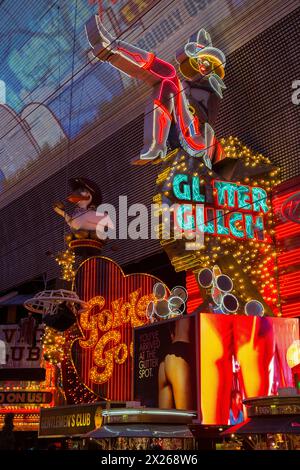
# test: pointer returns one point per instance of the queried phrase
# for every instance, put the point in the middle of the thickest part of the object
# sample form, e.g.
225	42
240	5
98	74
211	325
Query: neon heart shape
101	353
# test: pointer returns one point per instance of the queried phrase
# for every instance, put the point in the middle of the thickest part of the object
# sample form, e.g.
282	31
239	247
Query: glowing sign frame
227	195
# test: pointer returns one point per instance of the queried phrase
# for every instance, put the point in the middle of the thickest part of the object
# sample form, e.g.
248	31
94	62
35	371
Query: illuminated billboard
20	346
165	364
27	382
241	357
231	357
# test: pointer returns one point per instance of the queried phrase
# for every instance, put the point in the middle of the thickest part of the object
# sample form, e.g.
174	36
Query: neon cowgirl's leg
144	65
196	138
134	54
161	69
171	94
125	57
159	111
157	120
105	47
189	124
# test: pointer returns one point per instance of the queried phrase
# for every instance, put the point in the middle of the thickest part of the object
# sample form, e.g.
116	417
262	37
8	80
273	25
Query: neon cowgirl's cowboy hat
199	58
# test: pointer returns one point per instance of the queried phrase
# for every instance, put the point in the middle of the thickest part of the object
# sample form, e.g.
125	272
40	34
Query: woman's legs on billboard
254	350
176	377
216	349
175	383
165	393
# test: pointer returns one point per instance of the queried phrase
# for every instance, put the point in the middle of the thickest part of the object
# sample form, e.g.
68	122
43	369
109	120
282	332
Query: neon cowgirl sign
238	210
173	102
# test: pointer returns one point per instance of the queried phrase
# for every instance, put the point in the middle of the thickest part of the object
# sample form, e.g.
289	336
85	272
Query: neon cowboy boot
155	134
199	143
105	47
101	41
